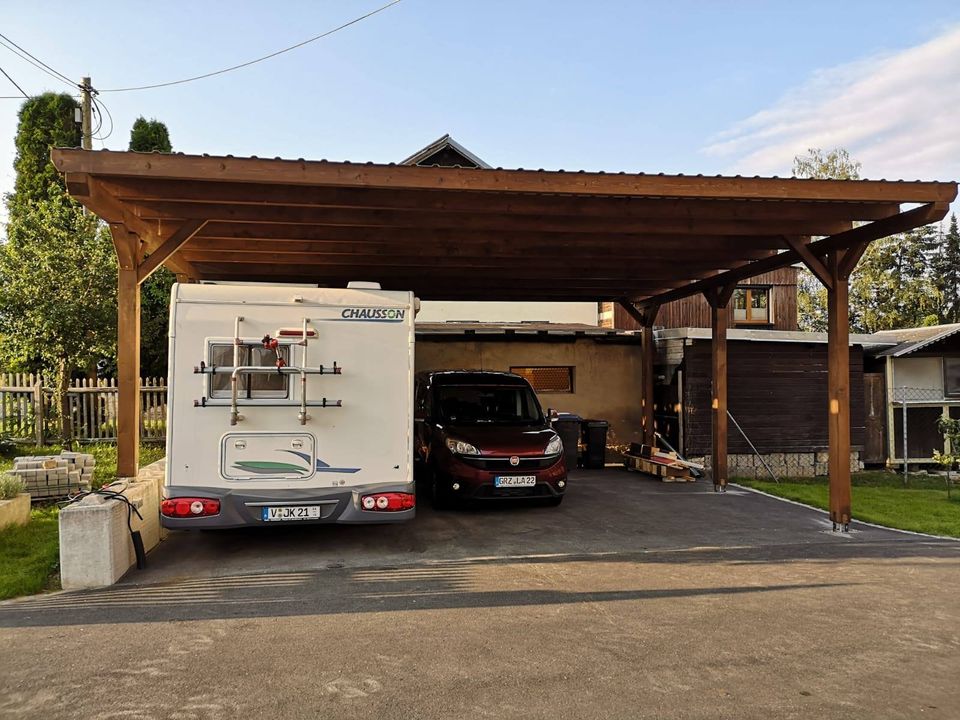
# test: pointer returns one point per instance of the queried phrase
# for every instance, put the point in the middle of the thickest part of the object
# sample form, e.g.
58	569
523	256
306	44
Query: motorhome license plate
506	481
291	512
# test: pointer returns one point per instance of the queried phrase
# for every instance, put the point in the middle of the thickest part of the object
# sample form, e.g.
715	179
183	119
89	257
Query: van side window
422	401
269	385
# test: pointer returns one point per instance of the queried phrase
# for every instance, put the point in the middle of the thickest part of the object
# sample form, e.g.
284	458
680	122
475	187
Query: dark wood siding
695	312
777	392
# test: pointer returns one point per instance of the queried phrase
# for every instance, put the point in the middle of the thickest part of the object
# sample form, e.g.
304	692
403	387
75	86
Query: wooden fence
27	413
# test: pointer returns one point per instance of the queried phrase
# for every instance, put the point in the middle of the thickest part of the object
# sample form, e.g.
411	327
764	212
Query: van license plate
505	481
291	512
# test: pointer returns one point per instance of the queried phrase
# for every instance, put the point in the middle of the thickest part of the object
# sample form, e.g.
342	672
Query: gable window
250	387
752	305
951	377
547	379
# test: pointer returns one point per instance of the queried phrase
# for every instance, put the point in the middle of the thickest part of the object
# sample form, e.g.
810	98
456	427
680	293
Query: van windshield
488	405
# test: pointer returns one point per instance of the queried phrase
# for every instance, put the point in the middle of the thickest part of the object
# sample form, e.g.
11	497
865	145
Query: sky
674	87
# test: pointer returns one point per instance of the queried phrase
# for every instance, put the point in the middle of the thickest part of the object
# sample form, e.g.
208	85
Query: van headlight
555	446
459	447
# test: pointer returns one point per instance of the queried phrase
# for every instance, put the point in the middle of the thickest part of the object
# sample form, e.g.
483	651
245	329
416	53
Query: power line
37	64
14	82
34	57
257	60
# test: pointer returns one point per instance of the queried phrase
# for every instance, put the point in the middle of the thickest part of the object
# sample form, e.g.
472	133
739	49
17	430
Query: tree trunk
64	370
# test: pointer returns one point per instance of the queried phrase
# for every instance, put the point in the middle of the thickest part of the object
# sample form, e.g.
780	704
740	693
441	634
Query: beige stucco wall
606	376
919	372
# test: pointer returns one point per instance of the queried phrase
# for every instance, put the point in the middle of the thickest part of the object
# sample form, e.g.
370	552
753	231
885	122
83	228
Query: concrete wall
606	375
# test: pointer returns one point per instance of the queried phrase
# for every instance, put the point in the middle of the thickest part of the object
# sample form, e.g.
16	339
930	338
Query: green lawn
881	498
29	554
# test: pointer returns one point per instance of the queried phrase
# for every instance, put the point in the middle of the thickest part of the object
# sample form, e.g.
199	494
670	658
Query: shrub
10	487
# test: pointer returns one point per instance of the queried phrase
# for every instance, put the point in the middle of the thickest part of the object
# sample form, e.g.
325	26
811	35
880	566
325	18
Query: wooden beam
813	263
128	372
647	353
169	246
838	381
301	172
204	191
908	220
374	218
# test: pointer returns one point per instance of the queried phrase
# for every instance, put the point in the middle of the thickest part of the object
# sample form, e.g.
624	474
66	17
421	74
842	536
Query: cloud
896	113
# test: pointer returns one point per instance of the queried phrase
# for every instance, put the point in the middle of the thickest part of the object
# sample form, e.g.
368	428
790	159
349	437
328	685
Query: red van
482	435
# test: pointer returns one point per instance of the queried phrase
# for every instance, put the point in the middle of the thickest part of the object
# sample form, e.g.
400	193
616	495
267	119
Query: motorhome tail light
388	502
188	507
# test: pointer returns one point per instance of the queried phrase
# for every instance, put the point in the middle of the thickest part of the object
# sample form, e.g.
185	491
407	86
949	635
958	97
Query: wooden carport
485	234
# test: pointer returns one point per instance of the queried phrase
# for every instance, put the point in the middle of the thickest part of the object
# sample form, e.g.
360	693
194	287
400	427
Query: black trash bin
595	443
567	426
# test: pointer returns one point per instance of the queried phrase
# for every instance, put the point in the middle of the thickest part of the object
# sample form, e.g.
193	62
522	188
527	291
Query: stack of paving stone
53	476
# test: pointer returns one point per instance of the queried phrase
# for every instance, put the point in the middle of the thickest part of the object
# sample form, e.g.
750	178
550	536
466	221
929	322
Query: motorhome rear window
251	386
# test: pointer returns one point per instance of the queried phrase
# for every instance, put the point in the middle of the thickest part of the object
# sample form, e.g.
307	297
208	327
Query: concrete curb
858	522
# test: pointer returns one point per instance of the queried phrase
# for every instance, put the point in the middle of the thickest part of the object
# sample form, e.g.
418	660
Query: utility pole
86	118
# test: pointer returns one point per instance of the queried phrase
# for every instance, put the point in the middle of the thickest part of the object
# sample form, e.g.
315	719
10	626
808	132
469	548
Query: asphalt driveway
633	599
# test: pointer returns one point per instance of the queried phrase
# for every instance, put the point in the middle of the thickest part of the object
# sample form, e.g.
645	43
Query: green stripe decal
265	467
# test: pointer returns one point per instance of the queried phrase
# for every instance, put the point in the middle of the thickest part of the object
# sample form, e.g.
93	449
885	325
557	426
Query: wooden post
719	300
127	246
718	370
646	379
39	412
838	381
128	373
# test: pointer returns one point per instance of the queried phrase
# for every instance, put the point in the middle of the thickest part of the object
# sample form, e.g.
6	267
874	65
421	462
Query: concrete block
95	545
15	511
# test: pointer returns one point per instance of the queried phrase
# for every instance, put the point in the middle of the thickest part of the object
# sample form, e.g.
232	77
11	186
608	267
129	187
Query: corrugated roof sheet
870	342
910	340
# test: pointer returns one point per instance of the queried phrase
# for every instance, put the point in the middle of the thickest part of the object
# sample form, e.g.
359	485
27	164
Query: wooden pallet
663	465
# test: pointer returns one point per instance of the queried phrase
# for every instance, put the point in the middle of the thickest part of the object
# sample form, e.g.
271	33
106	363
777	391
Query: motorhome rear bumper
242	507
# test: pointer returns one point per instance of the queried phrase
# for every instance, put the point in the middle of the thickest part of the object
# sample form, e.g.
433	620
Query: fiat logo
514	460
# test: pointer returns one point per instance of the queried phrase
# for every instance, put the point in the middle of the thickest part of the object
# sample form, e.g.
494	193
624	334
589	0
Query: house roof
423	156
868	342
910	340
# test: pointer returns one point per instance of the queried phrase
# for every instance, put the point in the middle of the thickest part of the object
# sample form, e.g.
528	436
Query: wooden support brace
719	300
647	351
169	246
814	264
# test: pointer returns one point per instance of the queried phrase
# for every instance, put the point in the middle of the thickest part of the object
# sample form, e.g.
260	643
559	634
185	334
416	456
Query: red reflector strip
388	502
296	333
189	507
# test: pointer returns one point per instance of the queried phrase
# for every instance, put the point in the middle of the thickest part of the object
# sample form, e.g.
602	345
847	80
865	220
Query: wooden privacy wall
777	392
26	414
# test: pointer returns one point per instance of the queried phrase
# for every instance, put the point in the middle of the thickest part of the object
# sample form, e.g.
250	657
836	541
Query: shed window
951	377
547	379
751	305
267	385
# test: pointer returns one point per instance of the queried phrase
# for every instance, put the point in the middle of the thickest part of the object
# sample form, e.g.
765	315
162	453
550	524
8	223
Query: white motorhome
289	403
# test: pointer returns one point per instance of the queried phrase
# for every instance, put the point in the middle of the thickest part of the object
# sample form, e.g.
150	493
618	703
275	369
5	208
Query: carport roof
480	234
